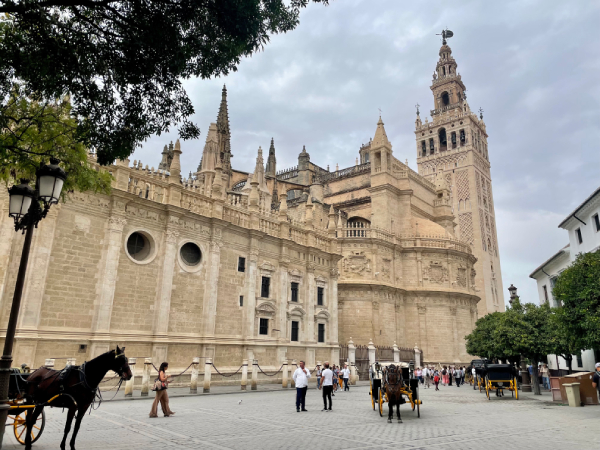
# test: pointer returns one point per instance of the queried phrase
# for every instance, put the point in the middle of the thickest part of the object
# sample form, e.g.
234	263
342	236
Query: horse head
121	364
394	375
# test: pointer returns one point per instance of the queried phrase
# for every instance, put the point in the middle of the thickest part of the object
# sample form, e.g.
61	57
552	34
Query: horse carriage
479	379
500	377
390	382
20	408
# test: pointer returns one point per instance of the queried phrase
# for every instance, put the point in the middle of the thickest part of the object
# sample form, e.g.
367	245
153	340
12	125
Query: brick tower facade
455	144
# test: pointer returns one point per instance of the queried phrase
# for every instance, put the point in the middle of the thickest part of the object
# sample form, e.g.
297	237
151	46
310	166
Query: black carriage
479	378
500	377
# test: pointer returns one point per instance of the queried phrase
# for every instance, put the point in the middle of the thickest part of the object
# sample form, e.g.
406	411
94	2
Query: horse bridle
120	371
396	372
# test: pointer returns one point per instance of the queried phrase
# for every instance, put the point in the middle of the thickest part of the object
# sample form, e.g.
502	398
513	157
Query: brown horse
393	385
76	386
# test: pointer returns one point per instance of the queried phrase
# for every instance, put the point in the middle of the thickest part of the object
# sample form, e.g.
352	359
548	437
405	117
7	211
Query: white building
583	226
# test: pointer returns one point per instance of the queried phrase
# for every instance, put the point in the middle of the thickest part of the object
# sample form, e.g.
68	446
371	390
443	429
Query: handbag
159	385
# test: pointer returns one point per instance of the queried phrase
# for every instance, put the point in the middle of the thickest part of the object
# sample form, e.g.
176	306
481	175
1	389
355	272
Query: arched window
357	227
443	140
445	98
453	139
431	147
423	148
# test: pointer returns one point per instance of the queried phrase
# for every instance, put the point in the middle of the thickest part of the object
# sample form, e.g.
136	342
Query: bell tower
454	145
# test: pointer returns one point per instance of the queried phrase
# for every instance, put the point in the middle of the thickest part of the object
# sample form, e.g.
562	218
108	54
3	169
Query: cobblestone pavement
451	418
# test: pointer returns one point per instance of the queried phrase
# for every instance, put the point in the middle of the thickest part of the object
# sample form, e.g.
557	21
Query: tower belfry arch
455	142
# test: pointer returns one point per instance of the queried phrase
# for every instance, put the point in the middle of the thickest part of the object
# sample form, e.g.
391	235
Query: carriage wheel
516	390
418	409
20	426
372	397
487	388
381	402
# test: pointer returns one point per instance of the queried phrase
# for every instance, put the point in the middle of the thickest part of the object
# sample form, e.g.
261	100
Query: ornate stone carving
422	309
376	305
266	309
171	236
386	265
334	273
116	223
357	263
473	273
267	267
453	310
461	276
435	272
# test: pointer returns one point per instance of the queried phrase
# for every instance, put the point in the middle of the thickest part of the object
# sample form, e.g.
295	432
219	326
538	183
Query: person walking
444	376
327	386
419	375
346	377
336	378
436	380
301	376
319	372
426	377
546	376
161	385
596	378
450	374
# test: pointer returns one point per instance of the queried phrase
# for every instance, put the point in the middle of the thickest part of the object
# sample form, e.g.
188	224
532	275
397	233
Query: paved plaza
453	418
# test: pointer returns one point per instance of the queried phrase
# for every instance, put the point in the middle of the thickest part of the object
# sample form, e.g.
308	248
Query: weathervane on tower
446	34
417	106
481	113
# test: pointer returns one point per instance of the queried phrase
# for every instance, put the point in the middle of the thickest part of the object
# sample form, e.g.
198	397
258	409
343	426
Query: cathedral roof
380	135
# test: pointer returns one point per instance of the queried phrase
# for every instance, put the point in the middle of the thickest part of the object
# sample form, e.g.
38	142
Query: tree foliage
577	288
33	130
123	62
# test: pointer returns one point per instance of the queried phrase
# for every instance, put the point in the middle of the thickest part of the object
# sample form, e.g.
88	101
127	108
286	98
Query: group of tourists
328	381
430	375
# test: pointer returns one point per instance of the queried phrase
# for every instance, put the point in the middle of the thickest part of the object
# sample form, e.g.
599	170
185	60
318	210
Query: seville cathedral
274	264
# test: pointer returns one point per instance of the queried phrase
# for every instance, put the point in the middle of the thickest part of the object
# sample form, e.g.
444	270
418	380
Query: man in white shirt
426	376
301	376
346	377
327	385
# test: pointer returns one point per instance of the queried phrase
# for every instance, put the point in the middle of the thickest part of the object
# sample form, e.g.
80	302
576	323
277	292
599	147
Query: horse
393	386
76	388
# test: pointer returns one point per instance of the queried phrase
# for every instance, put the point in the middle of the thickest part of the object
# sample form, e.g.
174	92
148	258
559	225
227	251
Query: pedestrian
436	380
474	375
546	376
336	379
327	386
457	376
419	375
444	376
596	378
346	377
426	377
319	372
450	374
301	376
161	385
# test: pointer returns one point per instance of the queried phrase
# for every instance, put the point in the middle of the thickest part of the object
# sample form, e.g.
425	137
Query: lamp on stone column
25	207
513	293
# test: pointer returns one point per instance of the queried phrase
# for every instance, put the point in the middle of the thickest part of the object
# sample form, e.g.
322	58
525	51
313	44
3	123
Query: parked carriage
501	377
20	408
479	380
410	388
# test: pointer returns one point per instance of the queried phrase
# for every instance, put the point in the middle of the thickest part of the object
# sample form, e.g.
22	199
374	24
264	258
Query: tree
482	340
566	344
123	62
577	288
33	130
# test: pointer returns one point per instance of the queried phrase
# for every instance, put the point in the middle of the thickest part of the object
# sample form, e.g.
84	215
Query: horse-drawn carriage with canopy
390	382
479	378
500	377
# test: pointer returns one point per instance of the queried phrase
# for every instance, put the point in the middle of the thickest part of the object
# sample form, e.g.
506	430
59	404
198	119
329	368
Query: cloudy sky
532	65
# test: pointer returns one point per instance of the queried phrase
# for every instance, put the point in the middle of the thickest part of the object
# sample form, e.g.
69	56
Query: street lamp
25	208
513	293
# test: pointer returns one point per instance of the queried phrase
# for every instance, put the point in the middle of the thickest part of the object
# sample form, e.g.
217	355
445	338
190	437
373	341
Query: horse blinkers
122	368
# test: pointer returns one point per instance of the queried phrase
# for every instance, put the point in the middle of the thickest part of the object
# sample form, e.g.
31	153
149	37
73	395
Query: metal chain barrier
272	375
179	374
227	376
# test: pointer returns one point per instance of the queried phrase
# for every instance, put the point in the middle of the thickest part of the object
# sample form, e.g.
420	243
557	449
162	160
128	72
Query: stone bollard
244	374
396	353
146	376
417	356
293	369
129	383
49	363
71	362
352	374
254	374
284	376
207	373
194	379
352	361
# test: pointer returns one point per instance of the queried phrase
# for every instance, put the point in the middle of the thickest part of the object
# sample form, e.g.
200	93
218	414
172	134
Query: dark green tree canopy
122	62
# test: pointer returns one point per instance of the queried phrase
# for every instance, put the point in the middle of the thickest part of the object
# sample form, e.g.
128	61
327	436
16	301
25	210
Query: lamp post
513	293
26	210
525	379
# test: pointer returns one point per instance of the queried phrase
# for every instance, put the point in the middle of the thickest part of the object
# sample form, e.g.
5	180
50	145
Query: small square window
82	348
596	222
241	300
264	327
295	328
320	296
264	288
321	332
241	264
294	292
579	236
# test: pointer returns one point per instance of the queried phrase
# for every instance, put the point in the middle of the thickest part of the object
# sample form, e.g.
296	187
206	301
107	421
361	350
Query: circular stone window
138	246
190	254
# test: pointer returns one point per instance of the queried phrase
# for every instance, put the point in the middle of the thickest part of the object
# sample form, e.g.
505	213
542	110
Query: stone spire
175	168
164	162
210	152
271	169
258	177
224	134
331	223
380	138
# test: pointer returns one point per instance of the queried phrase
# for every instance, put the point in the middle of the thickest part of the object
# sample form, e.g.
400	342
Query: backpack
444	372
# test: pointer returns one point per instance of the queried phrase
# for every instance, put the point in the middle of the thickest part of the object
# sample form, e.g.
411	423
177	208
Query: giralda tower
455	142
